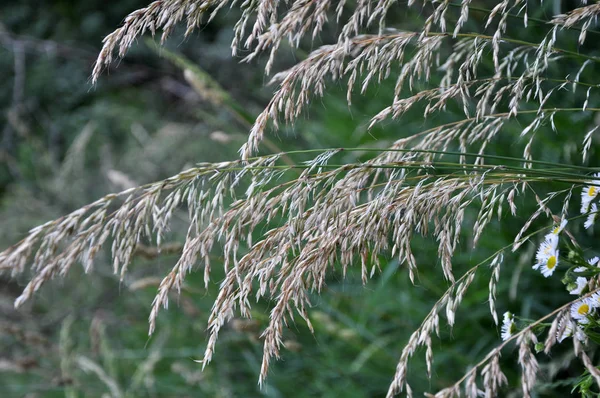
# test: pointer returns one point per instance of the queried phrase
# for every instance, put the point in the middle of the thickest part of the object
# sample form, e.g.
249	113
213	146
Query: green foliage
71	143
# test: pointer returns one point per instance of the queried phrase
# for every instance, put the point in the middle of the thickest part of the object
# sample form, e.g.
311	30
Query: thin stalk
515	16
515	41
468	154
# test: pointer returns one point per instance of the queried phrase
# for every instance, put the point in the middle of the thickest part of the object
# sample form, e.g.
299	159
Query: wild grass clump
280	225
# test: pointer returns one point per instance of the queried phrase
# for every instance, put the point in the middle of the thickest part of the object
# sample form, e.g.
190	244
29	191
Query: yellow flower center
583	309
592	191
556	230
551	262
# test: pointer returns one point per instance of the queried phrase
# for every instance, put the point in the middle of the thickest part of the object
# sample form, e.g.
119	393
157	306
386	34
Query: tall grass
281	224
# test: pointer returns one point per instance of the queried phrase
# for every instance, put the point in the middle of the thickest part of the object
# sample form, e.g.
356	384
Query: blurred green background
64	143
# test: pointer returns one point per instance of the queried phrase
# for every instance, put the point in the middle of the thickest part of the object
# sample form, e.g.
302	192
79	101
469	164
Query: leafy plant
282	222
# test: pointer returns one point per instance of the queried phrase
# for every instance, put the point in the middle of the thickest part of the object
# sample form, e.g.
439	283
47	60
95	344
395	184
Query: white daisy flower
547	248
581	310
558	229
588	194
547	256
548	266
581	283
591	218
508	326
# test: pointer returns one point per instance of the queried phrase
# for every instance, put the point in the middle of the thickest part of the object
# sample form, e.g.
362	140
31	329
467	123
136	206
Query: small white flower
558	229
588	194
547	258
581	283
508	326
547	255
593	261
547	248
591	218
581	310
548	267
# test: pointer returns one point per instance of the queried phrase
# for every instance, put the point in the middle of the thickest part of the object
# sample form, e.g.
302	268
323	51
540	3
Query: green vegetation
188	105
